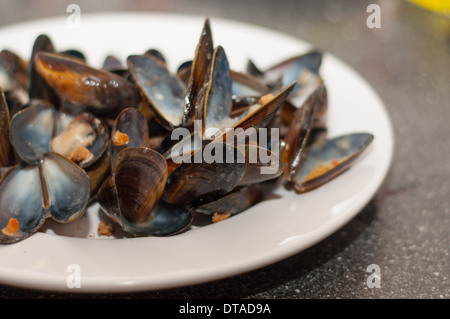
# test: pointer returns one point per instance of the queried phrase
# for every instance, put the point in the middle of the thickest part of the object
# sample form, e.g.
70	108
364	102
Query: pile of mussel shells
133	136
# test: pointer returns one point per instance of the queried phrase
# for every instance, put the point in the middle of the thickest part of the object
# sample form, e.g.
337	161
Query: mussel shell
67	187
114	65
255	118
343	149
163	220
74	53
205	178
239	199
262	165
7	154
21	199
108	199
162	90
156	54
246	90
15	69
97	91
299	132
139	176
99	171
132	122
198	77
246	85
184	71
289	70
177	149
241	104
30	194
67	136
218	98
6	81
131	195
157	135
38	88
254	70
317	135
262	115
31	130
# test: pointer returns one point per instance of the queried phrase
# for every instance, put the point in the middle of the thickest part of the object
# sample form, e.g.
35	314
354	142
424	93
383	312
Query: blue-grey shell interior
21	198
242	89
68	187
31	131
165	90
132	122
219	100
339	148
6	82
291	69
164	220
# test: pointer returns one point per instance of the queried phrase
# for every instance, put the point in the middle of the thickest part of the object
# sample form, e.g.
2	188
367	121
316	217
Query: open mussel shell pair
39	128
304	70
310	162
38	183
29	194
131	194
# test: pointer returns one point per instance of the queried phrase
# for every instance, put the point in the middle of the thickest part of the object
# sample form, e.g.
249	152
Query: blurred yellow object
440	6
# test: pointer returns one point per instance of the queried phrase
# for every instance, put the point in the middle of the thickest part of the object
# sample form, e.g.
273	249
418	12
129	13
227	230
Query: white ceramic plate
264	234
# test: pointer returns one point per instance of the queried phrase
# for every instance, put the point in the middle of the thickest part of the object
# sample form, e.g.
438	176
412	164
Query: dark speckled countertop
405	229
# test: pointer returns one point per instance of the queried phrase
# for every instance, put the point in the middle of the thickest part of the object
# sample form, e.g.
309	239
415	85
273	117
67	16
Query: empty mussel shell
130	129
239	199
31	130
208	174
7	154
83	140
38	88
293	69
299	132
67	186
97	91
22	209
131	195
328	159
163	220
29	194
198	76
262	164
163	91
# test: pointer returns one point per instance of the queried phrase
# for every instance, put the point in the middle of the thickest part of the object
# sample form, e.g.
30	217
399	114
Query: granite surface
405	229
